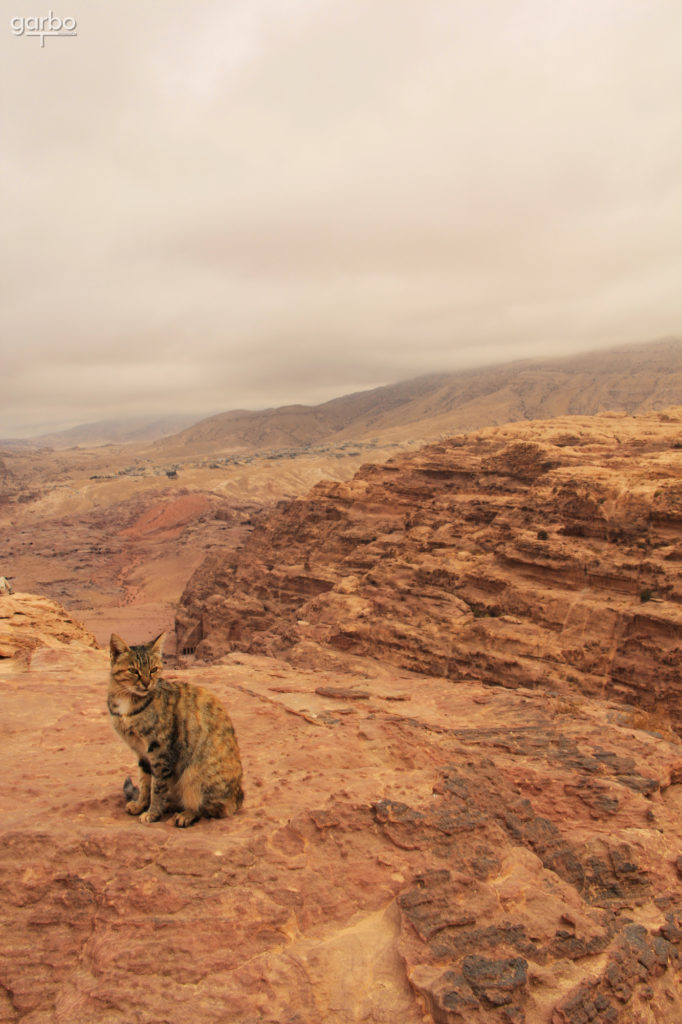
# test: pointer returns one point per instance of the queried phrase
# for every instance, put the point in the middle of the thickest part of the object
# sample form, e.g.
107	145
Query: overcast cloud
241	203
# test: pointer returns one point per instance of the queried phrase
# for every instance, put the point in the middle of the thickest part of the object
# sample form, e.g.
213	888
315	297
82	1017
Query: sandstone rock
473	854
543	554
342	693
29	622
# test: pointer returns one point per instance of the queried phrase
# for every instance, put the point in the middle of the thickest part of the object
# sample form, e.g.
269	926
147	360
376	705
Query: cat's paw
136	806
148	817
185	818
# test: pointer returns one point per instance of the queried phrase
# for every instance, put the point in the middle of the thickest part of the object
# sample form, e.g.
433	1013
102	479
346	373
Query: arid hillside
631	379
115	431
542	555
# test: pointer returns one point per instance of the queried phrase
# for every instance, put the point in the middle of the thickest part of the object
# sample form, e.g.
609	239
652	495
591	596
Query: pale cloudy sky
241	203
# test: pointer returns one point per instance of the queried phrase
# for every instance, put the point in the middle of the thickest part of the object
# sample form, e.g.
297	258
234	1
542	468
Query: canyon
104	527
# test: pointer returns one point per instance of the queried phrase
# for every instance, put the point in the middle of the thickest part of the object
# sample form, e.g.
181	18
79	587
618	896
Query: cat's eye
154	671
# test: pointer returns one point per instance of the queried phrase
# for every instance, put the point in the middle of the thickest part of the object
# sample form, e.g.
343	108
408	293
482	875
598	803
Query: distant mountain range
629	378
126	430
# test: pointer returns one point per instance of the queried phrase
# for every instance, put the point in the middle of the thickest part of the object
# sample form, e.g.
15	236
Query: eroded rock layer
541	554
29	622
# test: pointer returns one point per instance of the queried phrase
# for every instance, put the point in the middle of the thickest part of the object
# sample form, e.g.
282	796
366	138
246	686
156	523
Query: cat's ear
117	646
157	644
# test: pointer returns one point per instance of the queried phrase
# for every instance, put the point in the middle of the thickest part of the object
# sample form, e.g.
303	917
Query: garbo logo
46	25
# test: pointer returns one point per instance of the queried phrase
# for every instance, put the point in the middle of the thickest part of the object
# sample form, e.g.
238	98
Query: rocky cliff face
543	555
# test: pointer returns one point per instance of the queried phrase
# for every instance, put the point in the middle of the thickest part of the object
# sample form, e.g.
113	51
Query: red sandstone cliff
544	554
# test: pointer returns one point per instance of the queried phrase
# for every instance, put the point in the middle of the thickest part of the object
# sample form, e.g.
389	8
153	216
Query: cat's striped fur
185	741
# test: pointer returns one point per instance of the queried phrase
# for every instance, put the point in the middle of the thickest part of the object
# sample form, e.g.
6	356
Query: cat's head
136	668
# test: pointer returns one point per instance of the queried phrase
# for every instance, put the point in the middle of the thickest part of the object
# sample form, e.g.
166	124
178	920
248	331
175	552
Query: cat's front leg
159	794
140	801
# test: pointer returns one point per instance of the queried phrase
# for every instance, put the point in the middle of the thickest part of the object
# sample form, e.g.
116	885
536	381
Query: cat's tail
130	791
231	803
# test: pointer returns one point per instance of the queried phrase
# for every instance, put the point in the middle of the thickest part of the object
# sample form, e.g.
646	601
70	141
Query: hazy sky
241	203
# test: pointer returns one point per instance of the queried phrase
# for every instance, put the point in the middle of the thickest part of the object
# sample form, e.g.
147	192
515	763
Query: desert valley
446	619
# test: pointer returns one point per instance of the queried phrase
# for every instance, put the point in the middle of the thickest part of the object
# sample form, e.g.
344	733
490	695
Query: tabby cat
188	753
